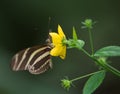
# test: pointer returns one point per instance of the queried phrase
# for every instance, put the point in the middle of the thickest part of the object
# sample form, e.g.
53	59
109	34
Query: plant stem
107	67
104	65
86	52
91	40
84	76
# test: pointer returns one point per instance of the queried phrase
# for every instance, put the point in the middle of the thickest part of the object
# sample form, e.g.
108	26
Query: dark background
25	23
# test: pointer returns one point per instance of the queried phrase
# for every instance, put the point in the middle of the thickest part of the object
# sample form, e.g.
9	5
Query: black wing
35	59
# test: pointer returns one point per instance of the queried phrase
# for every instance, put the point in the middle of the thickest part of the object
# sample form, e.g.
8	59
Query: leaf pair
108	51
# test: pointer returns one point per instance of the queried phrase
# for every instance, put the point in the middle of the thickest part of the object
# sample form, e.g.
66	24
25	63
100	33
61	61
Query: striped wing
35	59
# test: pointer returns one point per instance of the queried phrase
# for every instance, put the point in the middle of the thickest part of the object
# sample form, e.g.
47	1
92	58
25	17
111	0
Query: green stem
84	76
91	40
104	65
107	67
86	52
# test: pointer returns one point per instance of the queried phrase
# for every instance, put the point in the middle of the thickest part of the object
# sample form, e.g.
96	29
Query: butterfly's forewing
35	59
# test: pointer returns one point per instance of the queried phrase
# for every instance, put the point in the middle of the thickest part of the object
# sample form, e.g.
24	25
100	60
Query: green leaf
93	82
74	34
80	44
108	51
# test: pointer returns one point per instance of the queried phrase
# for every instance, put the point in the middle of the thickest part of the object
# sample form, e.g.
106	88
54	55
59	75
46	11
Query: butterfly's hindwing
35	59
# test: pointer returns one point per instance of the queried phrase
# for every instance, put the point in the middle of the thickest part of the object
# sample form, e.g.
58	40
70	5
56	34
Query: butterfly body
35	59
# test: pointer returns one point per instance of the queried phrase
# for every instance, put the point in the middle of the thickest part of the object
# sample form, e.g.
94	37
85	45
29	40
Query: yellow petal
55	38
59	51
60	32
63	53
56	50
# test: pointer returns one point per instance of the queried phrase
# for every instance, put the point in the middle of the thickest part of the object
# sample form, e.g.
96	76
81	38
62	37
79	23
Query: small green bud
87	24
66	84
102	59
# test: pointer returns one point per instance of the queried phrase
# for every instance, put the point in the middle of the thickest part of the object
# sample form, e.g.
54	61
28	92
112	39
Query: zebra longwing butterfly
35	59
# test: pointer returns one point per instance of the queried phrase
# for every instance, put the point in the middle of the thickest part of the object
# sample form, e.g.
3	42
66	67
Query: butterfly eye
35	59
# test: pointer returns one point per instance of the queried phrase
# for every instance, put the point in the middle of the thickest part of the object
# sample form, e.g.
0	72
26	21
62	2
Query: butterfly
36	59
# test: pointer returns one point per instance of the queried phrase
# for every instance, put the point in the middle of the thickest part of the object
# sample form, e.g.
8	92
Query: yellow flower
59	48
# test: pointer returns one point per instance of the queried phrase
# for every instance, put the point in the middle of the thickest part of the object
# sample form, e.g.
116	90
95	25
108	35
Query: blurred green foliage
24	23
